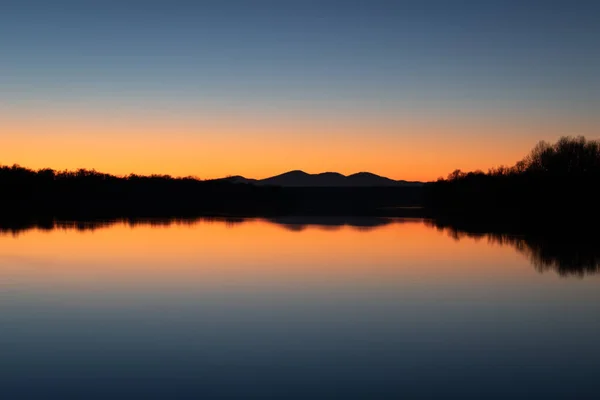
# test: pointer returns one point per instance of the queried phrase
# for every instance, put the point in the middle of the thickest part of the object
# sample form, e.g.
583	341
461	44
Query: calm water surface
256	309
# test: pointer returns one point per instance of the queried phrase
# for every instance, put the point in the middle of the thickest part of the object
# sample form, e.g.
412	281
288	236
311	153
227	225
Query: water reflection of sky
256	309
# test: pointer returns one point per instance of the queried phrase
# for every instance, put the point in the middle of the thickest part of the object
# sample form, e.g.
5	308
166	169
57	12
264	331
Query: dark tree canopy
569	156
553	182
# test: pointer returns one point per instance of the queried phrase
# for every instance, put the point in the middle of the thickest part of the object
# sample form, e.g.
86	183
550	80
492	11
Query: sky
407	89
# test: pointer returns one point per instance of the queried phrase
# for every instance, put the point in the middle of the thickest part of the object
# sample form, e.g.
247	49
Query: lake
294	308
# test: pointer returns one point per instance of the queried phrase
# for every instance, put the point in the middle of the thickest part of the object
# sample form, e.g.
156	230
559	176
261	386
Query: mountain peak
364	174
295	172
298	178
330	174
237	179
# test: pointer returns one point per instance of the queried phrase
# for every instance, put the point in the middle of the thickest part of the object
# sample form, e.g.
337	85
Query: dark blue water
256	310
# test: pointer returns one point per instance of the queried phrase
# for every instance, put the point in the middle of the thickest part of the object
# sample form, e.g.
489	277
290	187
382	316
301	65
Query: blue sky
390	51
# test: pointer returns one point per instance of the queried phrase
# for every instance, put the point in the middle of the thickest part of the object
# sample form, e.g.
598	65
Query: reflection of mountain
325	179
298	223
566	253
292	223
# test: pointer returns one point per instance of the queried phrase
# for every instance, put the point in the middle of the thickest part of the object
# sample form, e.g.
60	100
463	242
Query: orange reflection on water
250	253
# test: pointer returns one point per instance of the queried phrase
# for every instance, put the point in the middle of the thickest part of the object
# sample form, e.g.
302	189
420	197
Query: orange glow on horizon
411	149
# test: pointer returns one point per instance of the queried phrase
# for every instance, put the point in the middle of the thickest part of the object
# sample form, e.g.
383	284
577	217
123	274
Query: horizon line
196	177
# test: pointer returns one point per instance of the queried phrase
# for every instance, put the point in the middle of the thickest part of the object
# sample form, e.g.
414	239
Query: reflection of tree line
16	227
543	206
567	253
291	223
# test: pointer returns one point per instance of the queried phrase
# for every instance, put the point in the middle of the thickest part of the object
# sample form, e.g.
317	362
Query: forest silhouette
555	183
545	206
90	194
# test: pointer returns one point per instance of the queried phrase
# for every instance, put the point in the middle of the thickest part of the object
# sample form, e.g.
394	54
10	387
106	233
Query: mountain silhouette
237	179
299	178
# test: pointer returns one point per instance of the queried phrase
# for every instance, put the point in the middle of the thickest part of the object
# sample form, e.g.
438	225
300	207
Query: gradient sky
407	89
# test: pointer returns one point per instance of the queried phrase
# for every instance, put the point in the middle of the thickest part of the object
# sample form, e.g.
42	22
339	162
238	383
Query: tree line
553	182
558	180
27	193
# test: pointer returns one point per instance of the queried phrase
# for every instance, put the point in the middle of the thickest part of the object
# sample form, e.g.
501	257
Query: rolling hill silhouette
555	184
299	178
